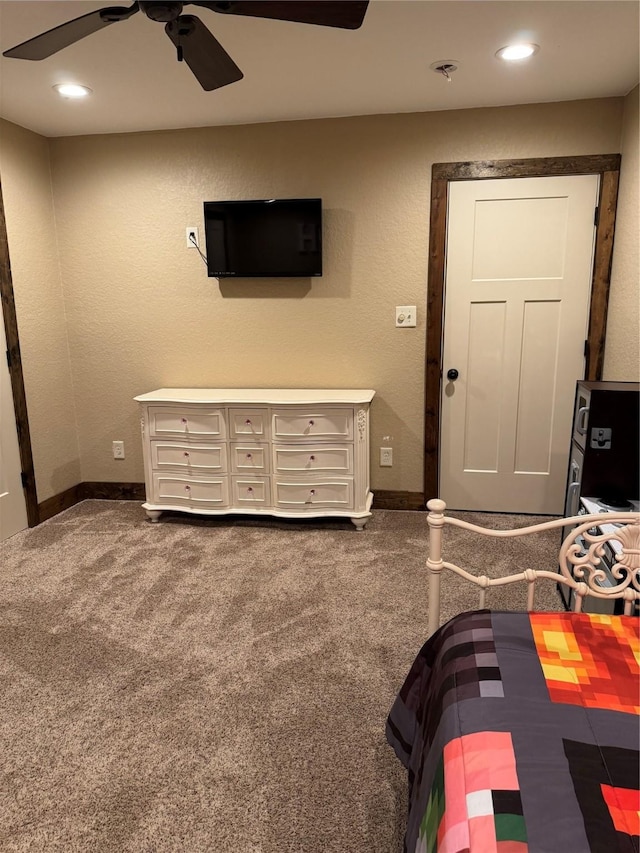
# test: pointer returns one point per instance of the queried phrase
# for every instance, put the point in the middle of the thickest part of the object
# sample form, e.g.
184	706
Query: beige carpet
214	685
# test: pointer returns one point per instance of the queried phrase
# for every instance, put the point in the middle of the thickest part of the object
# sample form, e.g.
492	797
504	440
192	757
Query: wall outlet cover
386	457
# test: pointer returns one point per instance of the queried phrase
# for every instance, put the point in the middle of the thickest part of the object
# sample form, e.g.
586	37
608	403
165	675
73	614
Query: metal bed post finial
435	520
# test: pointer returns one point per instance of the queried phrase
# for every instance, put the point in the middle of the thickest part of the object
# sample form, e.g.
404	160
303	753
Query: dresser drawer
164	421
192	458
310	459
247	457
204	492
299	424
303	496
248	423
250	492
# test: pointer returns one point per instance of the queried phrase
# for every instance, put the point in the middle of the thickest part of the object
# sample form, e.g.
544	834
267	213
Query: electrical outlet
118	449
192	235
386	457
406	316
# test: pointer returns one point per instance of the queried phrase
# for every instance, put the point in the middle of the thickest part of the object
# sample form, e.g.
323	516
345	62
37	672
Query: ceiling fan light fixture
72	90
516	52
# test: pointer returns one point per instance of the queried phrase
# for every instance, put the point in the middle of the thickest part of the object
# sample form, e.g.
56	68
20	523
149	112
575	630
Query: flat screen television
272	238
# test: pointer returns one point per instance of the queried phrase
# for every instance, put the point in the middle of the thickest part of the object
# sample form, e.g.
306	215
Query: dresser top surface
265	396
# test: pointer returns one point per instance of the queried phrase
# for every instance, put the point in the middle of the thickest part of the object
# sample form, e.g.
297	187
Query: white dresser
288	453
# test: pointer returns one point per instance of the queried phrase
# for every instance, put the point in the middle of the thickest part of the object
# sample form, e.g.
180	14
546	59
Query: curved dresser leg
360	522
154	514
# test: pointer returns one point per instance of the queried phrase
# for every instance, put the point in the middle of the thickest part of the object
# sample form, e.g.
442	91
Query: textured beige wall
622	353
26	188
142	313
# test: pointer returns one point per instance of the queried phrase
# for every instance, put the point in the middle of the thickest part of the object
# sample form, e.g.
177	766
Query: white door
518	280
13	508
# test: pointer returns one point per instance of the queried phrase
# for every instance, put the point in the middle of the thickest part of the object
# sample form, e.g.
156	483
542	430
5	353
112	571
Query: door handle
581	420
452	374
573	494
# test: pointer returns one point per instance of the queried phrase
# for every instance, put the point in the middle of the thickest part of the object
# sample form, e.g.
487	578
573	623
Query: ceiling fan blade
205	56
347	14
51	41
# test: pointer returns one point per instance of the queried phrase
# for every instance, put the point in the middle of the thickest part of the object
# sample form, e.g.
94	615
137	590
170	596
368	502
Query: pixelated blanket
520	732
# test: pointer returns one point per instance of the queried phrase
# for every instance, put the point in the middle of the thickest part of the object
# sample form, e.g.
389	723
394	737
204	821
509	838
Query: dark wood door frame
15	372
605	165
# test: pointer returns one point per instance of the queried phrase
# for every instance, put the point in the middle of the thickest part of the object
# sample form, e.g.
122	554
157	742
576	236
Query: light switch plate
405	316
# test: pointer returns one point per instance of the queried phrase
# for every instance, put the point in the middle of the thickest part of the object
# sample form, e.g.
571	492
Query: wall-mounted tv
272	238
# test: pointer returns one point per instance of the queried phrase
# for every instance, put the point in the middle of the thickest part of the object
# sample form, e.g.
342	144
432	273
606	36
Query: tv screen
268	238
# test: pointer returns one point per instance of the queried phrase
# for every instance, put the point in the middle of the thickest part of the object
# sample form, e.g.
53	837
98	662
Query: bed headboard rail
579	558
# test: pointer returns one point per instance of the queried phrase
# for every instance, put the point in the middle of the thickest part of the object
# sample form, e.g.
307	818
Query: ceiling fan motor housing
162	12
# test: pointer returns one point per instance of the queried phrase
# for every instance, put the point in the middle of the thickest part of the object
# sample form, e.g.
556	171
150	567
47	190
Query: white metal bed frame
577	567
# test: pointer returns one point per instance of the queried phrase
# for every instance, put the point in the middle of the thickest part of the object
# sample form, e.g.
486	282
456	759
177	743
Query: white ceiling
297	71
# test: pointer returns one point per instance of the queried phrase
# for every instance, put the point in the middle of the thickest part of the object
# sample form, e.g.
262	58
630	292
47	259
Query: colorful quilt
520	732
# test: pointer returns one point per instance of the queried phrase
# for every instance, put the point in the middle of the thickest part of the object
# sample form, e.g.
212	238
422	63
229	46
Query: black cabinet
605	448
604	462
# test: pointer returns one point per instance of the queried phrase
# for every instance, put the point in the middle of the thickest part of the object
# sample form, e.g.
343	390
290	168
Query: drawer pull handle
311	423
312	458
249	489
186	454
248	456
312	491
248	422
187	488
183	420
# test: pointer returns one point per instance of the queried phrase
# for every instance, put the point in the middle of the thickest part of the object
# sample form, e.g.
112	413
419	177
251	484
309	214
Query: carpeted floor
215	685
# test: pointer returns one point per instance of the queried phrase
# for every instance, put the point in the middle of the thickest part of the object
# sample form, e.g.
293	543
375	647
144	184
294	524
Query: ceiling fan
205	56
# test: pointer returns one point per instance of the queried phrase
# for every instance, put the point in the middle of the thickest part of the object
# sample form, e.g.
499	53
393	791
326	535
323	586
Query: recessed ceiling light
72	90
513	52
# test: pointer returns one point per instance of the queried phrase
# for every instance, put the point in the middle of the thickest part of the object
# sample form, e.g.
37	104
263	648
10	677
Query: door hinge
25	479
596	216
586	348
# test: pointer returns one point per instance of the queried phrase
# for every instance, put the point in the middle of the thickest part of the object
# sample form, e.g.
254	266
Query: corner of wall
622	353
25	165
